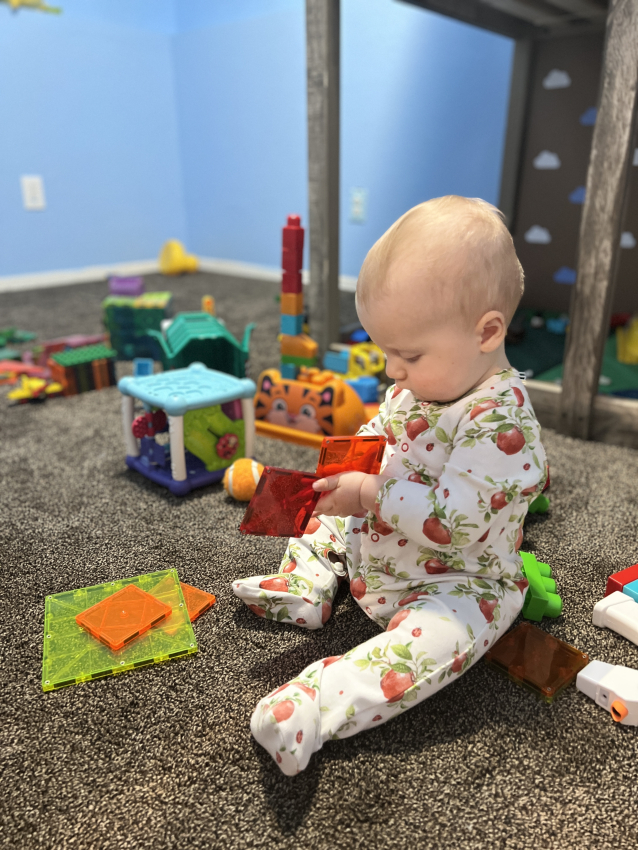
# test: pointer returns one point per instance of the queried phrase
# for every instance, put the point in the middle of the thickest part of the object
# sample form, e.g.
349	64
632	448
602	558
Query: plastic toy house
207	418
202	338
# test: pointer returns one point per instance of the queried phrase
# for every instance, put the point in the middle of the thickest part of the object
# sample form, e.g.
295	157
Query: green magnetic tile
72	655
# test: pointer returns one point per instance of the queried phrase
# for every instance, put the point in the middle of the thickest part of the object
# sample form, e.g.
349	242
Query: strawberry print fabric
436	566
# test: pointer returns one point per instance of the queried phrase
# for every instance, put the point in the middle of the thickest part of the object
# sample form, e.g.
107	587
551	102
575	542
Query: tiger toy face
293	404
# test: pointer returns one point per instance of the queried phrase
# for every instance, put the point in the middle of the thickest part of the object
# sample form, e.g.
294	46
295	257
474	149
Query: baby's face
430	351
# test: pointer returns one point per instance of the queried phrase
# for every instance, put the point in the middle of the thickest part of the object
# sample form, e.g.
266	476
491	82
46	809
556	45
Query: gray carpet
163	757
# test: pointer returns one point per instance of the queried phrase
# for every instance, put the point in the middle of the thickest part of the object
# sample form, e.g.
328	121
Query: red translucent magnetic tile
350	454
538	661
120	618
618	580
282	505
197	601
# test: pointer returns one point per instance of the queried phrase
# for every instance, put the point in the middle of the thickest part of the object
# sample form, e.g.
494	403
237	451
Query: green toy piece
541	599
129	321
72	655
214	438
202	338
540	505
13	335
298	361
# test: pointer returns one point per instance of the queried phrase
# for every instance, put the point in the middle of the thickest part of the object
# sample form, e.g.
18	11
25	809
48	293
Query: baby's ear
492	329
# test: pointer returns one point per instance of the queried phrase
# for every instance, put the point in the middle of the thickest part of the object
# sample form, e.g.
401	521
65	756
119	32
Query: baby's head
437	292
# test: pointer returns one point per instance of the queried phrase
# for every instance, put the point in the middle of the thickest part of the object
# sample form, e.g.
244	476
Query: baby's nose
394	369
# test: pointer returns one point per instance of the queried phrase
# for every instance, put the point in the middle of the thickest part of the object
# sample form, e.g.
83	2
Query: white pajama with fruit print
436	566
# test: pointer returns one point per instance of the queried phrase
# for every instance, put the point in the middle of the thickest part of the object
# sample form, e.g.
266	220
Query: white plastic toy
613	687
618	612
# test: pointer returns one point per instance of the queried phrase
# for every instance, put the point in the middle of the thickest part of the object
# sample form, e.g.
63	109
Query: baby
429	546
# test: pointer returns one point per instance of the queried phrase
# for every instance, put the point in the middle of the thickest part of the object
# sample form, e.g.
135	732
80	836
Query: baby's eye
413	359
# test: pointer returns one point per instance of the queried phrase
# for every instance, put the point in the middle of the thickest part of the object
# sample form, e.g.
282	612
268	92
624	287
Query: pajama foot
270	597
287	724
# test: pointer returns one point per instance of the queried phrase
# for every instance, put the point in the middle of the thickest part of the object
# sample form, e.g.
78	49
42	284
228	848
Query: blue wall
87	100
424	104
187	118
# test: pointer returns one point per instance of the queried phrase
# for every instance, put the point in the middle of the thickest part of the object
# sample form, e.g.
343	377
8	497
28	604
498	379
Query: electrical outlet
358	205
32	192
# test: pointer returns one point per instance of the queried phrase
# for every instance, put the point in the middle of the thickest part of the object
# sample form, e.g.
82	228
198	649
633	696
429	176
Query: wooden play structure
574	409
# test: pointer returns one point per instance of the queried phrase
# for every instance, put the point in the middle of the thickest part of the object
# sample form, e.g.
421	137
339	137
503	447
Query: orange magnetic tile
197	601
120	618
537	660
351	454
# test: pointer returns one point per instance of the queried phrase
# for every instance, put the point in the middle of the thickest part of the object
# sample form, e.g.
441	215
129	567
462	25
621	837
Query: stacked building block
79	370
297	348
128	321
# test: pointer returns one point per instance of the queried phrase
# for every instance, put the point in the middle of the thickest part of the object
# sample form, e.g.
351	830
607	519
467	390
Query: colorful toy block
308	362
299	346
142	366
292	245
541	599
292	325
536	660
337	361
289	371
618	580
613	687
617	612
79	370
128	286
366	387
292	303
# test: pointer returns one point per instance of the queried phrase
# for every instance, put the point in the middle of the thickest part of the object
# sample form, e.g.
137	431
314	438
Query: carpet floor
163	757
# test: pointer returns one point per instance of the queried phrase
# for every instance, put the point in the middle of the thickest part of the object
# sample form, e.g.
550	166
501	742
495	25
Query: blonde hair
456	242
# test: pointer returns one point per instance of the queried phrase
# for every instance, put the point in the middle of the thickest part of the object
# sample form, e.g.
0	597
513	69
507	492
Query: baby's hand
347	494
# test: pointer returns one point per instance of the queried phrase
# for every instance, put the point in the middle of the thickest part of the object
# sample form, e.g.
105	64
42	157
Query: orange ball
240	479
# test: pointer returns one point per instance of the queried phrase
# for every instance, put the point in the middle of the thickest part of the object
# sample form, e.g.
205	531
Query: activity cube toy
128	322
210	423
71	654
536	660
541	599
613	687
78	370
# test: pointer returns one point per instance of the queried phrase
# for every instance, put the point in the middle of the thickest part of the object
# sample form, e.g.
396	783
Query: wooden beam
515	131
535	13
322	58
479	15
581	8
599	243
613	420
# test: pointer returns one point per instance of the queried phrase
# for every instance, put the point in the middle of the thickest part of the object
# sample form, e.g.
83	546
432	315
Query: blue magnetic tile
565	275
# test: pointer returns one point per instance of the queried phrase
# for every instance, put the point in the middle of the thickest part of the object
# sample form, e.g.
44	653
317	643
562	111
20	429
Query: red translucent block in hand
350	454
125	615
282	505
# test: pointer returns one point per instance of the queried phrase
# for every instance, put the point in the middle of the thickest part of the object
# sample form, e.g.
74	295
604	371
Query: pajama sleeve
496	466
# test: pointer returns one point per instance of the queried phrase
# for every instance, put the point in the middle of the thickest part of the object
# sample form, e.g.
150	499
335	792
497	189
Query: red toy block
350	454
618	580
282	505
291	282
292	245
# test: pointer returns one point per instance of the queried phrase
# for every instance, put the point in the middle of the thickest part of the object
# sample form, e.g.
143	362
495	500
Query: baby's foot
287	724
270	596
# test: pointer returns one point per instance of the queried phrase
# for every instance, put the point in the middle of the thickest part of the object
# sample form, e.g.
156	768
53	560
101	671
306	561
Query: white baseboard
67	277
